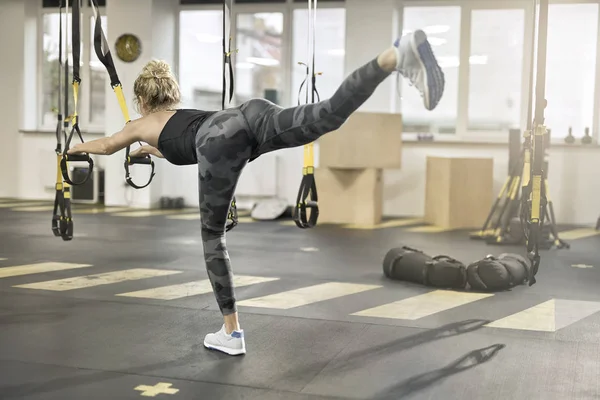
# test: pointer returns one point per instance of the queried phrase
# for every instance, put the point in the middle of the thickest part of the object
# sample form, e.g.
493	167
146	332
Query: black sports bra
177	141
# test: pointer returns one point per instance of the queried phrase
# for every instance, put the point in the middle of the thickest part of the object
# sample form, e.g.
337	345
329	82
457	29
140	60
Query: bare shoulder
149	127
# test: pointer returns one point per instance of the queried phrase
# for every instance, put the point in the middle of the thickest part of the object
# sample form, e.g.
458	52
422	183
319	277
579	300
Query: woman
223	142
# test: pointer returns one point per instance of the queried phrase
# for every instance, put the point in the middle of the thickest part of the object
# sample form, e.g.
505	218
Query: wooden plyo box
350	196
458	191
365	140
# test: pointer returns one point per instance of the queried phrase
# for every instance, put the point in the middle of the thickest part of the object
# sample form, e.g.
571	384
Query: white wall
27	161
12	17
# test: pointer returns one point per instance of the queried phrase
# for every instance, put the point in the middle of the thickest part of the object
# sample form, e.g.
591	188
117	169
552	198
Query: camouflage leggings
229	139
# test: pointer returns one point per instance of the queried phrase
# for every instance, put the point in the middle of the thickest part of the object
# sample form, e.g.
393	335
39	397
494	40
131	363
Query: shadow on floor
361	358
423	381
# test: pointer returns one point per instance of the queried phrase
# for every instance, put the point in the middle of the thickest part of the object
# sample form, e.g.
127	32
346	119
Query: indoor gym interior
120	309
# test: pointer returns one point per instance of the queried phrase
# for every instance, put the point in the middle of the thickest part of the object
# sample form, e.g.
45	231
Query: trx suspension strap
59	217
76	49
104	55
308	187
534	198
226	101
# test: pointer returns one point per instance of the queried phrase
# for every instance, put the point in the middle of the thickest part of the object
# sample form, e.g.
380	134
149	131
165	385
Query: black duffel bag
446	272
406	264
412	265
498	273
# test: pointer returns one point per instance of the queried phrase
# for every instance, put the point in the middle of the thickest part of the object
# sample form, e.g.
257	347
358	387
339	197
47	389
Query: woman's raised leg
276	128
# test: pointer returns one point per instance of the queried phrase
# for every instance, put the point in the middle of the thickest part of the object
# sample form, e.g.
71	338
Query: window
98	79
571	68
496	69
259	73
91	101
51	70
329	51
201	59
442	26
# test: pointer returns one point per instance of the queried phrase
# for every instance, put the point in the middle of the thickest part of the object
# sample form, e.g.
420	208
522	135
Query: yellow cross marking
159	388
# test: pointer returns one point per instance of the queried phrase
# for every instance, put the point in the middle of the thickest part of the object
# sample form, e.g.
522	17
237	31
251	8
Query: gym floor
120	312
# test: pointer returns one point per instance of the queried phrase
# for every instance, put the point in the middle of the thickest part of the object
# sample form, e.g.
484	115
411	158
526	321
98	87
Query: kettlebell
570	138
587	139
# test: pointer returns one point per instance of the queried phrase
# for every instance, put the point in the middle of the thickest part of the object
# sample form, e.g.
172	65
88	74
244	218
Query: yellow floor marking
422	305
145	213
22	204
307	295
578	233
582	266
187	216
387	224
159	388
194	288
428	229
548	316
196	216
108	278
2	259
33	208
537	318
38	268
99	210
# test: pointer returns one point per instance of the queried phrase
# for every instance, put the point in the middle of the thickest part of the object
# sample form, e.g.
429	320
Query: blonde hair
157	88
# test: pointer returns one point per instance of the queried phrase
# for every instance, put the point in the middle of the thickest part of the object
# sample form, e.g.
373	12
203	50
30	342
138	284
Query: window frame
84	99
467	6
287	9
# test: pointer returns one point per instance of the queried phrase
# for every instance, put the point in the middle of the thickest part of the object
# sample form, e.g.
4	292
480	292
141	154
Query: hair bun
157	69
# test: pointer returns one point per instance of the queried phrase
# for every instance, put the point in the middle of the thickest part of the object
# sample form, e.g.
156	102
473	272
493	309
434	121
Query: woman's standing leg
223	149
276	128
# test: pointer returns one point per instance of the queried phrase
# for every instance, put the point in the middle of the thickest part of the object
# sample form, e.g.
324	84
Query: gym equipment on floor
412	265
497	227
498	273
308	186
171	203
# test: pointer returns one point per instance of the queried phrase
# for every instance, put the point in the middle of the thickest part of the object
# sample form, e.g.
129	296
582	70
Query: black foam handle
140	160
76	157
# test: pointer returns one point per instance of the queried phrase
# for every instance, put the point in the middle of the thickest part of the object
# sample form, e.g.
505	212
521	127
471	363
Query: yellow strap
75	100
308	158
122	103
59	177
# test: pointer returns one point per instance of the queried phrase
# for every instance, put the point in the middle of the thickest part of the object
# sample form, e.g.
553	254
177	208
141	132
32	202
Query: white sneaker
417	63
232	344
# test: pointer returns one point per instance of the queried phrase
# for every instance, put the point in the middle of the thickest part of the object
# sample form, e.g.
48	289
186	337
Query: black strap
105	56
76	49
228	70
307	198
59	227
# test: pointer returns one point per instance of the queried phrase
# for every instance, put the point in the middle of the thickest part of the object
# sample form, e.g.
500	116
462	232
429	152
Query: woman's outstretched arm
109	145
